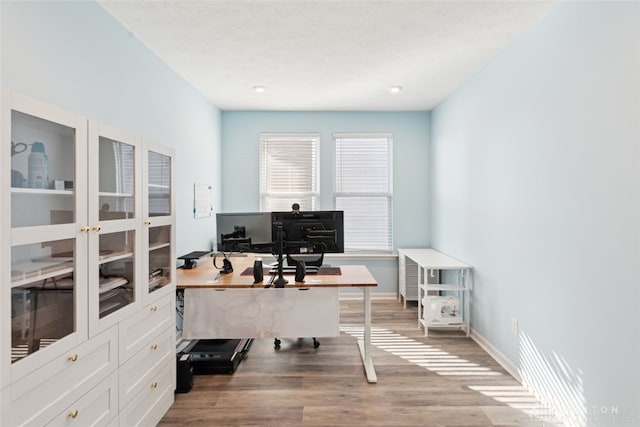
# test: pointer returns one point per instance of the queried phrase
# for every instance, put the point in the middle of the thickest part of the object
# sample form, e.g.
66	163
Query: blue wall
241	180
240	151
536	183
76	56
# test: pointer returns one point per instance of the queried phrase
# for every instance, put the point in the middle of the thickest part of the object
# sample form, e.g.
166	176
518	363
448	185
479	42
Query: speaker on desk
301	270
257	271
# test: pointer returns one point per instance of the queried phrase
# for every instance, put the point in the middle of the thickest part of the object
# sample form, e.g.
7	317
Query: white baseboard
502	360
360	295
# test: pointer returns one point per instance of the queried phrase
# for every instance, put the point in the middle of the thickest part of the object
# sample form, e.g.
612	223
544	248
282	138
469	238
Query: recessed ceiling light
395	89
259	89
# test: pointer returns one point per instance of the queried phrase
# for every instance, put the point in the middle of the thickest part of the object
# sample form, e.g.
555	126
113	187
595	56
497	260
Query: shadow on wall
555	384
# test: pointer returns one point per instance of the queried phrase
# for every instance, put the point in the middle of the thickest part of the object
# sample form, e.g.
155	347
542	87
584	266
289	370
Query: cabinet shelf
163	186
114	257
158	246
41	191
112	194
31	272
109	283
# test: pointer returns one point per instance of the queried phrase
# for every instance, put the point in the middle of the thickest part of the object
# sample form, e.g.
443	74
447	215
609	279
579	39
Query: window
289	171
363	189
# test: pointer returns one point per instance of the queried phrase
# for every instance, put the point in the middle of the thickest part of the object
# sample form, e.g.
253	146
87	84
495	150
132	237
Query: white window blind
363	189
159	184
124	159
289	171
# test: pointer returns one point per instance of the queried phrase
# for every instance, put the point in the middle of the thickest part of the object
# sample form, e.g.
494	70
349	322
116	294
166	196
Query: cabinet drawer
41	395
153	401
96	408
138	330
137	372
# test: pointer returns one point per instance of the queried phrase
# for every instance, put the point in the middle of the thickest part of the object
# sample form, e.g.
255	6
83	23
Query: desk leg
365	345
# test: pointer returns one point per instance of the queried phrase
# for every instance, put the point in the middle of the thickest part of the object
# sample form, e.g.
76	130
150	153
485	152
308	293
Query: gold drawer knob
154	385
72	358
154	346
73	414
96	228
85	229
154	308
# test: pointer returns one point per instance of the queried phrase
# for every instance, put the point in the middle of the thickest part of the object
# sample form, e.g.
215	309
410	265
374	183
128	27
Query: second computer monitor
235	229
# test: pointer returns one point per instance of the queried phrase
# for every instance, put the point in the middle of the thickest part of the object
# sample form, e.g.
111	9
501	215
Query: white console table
448	309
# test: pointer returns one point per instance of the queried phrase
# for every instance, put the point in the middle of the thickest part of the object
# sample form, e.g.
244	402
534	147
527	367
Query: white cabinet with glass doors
87	244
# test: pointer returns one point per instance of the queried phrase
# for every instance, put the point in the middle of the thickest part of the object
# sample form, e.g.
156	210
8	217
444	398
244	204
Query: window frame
267	197
388	195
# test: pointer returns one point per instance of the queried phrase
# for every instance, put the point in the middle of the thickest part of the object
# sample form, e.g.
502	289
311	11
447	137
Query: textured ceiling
326	55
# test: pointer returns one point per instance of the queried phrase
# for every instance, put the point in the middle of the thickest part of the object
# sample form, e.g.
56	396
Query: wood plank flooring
445	379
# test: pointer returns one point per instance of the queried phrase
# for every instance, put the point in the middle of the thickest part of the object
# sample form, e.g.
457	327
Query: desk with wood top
232	306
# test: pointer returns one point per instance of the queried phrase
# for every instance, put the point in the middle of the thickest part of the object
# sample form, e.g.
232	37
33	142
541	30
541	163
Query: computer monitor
244	232
310	231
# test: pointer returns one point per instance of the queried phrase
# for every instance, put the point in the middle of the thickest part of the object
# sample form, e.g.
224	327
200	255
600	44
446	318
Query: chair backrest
314	259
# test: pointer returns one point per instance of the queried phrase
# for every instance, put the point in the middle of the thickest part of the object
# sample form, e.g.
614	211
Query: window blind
124	158
289	171
159	183
363	189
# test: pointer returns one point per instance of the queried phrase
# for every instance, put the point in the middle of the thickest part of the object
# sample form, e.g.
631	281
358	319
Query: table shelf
435	299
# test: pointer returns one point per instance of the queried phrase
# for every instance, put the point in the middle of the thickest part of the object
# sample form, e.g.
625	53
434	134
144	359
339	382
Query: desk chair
314	259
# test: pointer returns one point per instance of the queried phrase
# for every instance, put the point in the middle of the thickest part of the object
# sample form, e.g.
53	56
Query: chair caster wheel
316	343
276	343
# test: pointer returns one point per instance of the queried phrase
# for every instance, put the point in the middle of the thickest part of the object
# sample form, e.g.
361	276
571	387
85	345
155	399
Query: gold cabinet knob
154	308
154	385
85	229
154	346
73	414
72	358
147	222
96	228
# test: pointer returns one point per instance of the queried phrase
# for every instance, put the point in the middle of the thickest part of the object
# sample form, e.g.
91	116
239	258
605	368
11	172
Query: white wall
76	56
536	183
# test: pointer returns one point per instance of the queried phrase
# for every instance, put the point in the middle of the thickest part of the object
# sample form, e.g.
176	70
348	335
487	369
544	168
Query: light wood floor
445	379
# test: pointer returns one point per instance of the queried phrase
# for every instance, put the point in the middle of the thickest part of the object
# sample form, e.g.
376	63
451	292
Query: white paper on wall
202	200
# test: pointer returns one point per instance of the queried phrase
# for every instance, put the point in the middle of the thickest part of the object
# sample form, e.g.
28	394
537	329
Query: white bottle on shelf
38	166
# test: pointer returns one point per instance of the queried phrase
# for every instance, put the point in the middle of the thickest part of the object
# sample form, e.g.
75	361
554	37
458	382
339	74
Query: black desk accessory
191	258
226	268
280	281
300	271
184	374
257	271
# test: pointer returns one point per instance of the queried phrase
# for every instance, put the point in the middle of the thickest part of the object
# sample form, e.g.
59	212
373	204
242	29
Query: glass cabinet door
42	171
114	206
159	265
43	293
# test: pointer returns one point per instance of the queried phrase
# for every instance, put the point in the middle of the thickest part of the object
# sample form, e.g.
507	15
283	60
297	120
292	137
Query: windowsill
346	255
363	255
